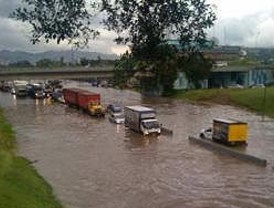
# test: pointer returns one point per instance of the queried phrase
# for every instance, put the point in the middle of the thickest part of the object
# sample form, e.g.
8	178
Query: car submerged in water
114	108
36	91
206	133
117	118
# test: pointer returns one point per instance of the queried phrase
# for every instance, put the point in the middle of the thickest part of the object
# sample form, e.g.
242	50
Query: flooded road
92	163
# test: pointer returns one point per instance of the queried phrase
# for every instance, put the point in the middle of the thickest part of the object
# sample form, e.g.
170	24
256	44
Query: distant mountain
7	56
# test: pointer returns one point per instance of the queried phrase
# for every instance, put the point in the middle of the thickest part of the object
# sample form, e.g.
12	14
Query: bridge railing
56	73
8	70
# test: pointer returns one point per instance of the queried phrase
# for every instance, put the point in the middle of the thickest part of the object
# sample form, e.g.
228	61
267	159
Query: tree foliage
161	72
57	20
23	63
146	24
196	67
124	69
50	63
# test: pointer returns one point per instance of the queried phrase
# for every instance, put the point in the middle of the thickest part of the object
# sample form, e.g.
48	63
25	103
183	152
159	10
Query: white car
237	86
117	118
206	133
257	86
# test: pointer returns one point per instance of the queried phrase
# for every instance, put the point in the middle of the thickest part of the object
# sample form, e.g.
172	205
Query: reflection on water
135	140
91	162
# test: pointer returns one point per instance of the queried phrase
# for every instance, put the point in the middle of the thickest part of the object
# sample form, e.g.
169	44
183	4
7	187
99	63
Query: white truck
142	119
20	88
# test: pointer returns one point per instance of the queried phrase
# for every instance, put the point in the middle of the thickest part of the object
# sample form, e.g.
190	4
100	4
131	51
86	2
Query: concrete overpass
34	73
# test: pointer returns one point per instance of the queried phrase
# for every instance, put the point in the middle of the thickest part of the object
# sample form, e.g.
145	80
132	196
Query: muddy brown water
92	163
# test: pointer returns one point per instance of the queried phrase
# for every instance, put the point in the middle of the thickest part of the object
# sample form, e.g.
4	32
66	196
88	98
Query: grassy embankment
252	99
20	184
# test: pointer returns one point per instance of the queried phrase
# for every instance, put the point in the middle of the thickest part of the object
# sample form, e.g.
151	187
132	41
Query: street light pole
264	104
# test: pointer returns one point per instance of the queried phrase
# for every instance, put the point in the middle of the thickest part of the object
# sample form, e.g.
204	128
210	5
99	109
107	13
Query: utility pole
264	104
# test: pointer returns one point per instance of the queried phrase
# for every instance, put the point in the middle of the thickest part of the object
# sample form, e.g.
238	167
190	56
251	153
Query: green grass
252	99
20	184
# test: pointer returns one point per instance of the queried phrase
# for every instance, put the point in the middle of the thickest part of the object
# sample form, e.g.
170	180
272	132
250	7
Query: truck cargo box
134	115
229	131
71	95
141	119
86	97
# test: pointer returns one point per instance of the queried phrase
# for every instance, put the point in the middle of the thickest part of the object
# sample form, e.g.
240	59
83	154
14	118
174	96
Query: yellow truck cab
228	131
96	109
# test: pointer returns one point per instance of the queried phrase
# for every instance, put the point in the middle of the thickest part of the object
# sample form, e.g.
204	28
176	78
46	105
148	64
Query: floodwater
92	163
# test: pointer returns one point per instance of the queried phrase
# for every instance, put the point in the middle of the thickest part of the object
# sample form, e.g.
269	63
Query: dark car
114	108
36	91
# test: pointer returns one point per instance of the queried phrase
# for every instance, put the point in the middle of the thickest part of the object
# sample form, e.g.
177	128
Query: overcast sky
240	22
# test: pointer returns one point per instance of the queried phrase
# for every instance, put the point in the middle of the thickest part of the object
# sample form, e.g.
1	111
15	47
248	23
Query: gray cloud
253	30
8	6
15	35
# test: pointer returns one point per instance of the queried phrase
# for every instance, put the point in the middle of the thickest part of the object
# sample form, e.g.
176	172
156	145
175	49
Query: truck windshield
151	125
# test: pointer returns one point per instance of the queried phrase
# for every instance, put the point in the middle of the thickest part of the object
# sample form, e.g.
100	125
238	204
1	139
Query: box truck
228	131
85	100
20	88
142	119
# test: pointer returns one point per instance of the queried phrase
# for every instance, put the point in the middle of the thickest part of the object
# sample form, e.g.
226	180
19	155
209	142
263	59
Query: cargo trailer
142	119
230	131
85	100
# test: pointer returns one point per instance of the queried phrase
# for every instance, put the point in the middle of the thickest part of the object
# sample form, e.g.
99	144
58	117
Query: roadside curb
229	151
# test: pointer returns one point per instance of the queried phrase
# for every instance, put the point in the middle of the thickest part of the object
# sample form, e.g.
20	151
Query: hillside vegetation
259	100
20	184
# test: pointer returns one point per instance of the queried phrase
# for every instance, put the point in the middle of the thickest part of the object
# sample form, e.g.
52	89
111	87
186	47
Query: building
240	75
